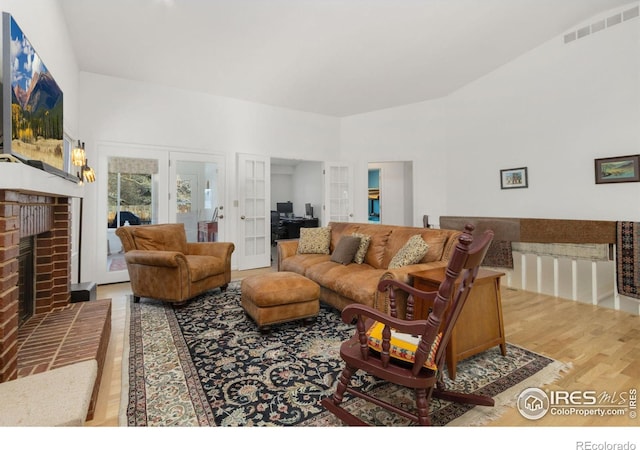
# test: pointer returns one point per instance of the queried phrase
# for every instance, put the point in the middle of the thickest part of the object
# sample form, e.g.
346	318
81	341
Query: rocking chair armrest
350	312
391	286
396	284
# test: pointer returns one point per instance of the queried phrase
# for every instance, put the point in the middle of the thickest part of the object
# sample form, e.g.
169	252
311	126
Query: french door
132	183
196	194
254	228
141	185
338	192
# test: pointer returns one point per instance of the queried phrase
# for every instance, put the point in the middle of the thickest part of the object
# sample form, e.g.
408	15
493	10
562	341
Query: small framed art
514	178
621	169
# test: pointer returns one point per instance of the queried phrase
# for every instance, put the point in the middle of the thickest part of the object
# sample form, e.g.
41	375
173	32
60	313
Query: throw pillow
365	240
411	253
346	249
403	346
315	240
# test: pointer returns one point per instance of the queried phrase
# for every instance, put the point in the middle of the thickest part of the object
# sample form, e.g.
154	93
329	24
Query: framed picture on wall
514	178
621	169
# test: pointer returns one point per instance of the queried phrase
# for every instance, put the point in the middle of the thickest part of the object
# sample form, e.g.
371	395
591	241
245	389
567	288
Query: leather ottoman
279	297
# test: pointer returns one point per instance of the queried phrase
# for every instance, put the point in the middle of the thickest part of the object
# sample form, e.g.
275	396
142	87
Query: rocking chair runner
383	346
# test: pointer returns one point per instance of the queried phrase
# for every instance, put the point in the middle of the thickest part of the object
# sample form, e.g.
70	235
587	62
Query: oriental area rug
206	364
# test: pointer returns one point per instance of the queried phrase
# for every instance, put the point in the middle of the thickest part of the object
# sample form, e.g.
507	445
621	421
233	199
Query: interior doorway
374	196
390	193
299	182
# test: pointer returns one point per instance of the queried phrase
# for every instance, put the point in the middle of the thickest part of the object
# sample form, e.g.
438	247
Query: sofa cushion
314	240
339	229
436	243
168	237
436	239
410	253
375	253
201	267
300	263
358	282
346	249
365	240
361	286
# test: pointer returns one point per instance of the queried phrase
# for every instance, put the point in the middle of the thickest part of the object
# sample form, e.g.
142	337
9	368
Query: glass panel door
255	229
197	188
131	200
132	182
338	183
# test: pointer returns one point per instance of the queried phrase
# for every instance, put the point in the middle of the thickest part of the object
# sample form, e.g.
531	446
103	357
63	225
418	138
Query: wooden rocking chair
383	346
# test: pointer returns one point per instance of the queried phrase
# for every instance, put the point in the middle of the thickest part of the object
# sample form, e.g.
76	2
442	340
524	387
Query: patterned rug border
475	416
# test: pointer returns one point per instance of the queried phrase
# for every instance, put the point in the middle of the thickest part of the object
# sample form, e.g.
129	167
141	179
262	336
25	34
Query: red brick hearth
59	332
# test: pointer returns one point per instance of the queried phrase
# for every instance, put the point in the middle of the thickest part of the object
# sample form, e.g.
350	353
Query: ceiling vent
602	24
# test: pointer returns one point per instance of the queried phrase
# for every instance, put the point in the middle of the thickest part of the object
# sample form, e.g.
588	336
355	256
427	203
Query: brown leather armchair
164	266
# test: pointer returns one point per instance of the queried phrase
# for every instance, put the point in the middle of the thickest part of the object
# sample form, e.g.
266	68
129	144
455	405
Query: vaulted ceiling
332	57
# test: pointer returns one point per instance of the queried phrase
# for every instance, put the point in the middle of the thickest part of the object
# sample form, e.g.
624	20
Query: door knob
242	217
221	216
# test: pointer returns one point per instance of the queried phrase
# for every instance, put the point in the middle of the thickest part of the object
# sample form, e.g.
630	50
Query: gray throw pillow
346	249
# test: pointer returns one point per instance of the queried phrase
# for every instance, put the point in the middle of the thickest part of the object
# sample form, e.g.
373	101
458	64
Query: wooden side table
480	324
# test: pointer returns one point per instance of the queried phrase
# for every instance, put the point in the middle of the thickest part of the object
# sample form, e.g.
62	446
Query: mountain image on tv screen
36	105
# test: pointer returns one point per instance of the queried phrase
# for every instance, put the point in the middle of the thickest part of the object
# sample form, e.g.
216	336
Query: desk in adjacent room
480	324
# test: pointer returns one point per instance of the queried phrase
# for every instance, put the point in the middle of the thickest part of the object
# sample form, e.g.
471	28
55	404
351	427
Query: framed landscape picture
621	169
514	178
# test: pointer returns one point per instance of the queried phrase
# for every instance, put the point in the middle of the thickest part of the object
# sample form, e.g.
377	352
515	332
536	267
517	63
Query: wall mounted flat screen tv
32	104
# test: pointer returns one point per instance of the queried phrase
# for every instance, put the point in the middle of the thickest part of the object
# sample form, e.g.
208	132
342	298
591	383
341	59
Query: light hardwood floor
602	345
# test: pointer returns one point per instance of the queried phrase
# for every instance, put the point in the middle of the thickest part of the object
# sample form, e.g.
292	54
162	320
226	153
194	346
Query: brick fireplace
38	205
48	220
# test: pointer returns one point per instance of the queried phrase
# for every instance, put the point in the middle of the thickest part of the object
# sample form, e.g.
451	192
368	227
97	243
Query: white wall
396	199
43	24
308	182
129	112
553	110
281	184
409	133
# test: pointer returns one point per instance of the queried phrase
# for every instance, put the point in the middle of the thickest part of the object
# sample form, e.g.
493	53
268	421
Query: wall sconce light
88	173
78	155
79	158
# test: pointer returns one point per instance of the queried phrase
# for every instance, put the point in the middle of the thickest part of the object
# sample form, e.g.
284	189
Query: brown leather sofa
164	266
342	284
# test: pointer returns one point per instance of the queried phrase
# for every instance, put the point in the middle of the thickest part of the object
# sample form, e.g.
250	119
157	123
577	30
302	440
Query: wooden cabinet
480	324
